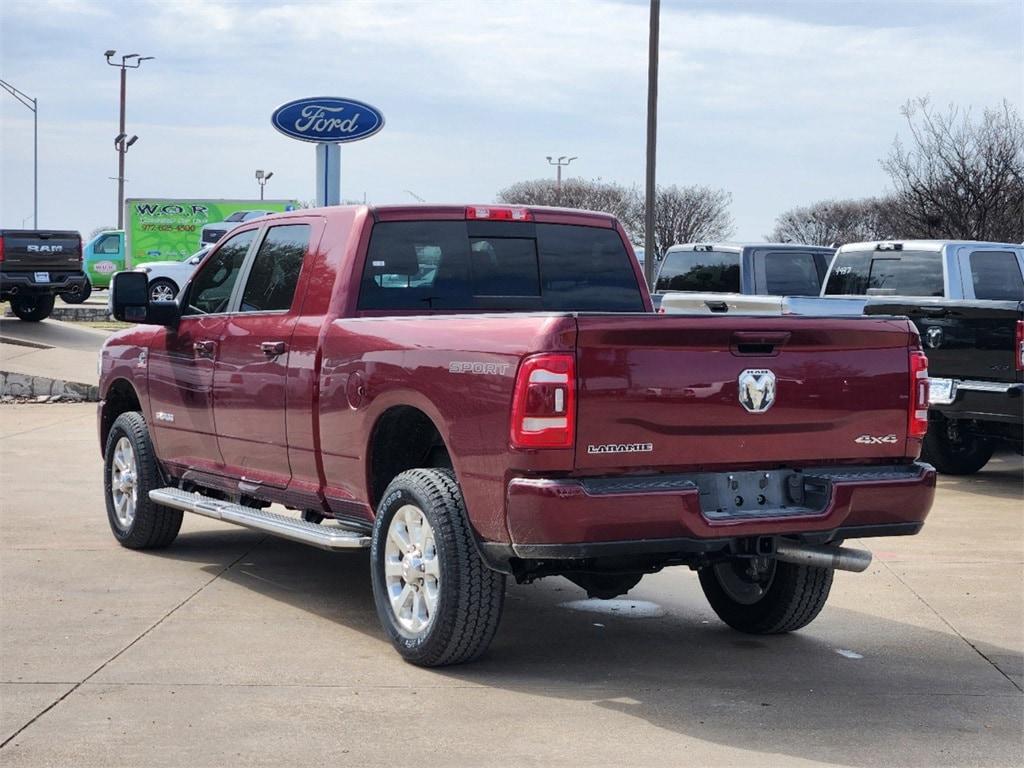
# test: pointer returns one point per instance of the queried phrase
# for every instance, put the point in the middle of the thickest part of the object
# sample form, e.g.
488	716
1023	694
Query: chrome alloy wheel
412	571
124	486
161	292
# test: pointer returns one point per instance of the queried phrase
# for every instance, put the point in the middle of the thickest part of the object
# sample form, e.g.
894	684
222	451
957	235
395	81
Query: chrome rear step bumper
329	537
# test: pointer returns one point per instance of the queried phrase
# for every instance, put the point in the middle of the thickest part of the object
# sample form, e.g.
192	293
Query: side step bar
329	537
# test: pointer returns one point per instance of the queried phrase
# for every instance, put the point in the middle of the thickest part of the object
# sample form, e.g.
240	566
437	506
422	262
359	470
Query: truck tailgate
664	392
27	250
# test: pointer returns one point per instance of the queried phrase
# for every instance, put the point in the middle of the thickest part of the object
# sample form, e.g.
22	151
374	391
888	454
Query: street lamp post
262	179
560	163
122	141
32	104
650	242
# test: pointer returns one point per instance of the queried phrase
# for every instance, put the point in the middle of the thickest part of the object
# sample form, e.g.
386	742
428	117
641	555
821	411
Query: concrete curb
26	386
74	314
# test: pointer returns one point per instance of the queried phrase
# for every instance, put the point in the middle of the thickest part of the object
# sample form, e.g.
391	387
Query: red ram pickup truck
481	392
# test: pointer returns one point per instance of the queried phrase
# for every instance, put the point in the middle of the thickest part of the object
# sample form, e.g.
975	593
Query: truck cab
705	278
104	255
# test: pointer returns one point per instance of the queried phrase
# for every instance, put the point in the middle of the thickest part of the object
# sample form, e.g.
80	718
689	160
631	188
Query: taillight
544	403
1018	347
491	213
2	258
917	424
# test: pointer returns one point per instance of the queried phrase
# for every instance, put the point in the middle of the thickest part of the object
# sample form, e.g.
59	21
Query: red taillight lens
917	424
544	403
490	213
1018	347
2	258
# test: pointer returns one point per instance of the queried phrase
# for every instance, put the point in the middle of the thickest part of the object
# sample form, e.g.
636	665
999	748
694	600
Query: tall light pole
650	246
560	163
262	179
122	141
32	104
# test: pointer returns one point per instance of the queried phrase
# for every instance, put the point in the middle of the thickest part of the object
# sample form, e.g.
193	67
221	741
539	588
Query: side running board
327	536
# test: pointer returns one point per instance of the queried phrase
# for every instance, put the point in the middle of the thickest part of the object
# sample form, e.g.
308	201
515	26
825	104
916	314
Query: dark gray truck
36	266
967	301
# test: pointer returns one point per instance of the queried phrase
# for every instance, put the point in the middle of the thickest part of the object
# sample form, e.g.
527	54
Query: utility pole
262	179
650	246
122	142
560	163
33	105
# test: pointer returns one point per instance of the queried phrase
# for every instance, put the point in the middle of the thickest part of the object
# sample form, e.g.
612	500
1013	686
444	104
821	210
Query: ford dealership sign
327	120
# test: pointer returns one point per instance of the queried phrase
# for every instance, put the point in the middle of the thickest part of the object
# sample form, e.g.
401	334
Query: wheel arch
120	397
403	437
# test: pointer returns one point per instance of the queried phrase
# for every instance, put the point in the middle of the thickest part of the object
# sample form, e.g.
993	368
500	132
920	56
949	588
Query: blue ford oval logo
327	119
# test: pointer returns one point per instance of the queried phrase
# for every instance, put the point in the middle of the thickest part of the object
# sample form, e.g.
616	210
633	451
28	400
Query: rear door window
460	265
886	273
270	286
703	271
791	273
996	275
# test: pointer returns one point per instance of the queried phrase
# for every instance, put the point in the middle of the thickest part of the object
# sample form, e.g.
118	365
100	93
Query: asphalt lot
231	648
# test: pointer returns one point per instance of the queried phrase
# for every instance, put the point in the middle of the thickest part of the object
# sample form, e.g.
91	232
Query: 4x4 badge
757	389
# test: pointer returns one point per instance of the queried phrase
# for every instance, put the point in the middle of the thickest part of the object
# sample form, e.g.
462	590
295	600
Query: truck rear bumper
598	516
13	283
985	401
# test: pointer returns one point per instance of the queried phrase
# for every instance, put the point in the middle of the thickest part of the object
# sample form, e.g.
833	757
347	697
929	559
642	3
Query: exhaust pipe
838	558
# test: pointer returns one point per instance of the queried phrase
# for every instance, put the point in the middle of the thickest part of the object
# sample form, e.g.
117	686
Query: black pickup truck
36	266
967	301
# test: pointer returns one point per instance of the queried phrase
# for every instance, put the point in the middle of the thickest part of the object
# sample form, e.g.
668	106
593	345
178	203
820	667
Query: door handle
273	348
204	348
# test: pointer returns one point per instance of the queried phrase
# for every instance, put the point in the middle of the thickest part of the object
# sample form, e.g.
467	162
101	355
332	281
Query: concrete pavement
230	648
51	348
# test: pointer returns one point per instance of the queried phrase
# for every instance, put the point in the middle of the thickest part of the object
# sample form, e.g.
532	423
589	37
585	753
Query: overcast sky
781	103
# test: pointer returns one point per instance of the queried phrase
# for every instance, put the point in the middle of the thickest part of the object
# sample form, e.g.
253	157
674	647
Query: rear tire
130	472
32	308
436	599
952	452
790	598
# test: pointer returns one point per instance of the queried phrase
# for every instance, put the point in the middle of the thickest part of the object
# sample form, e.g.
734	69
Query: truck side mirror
131	304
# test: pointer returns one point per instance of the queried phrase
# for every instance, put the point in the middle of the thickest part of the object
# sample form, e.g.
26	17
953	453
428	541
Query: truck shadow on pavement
1002	478
899	688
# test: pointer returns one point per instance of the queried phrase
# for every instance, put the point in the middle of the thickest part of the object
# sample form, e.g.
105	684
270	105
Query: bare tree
959	178
589	195
835	222
686	215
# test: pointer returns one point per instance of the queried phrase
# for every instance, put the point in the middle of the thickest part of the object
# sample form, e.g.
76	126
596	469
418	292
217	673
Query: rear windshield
705	271
461	265
792	273
996	275
886	273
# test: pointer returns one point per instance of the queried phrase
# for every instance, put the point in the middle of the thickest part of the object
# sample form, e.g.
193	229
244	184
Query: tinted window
504	266
886	273
275	270
996	275
450	265
791	273
213	283
705	271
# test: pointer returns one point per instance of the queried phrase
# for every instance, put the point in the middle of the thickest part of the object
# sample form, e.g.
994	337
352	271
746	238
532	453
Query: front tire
163	289
32	307
436	599
130	472
787	599
952	452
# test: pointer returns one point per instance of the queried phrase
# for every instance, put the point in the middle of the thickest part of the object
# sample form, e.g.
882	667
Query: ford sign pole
328	122
650	242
